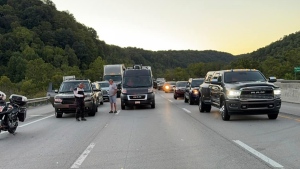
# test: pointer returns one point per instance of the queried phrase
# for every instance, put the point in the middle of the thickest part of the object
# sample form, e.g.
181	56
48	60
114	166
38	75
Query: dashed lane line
258	154
82	157
186	110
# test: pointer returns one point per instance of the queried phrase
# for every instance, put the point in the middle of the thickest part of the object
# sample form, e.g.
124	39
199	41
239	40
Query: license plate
137	102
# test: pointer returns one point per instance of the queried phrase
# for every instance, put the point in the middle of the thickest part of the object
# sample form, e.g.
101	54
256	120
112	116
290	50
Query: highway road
173	135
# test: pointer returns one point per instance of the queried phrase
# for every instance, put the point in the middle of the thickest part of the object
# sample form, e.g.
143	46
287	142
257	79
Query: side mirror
55	91
272	79
215	81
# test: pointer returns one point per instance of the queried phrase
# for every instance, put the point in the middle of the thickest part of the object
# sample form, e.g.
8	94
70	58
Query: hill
277	59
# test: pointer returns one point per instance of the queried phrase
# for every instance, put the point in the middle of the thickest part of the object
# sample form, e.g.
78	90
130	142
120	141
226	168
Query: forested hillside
277	59
40	44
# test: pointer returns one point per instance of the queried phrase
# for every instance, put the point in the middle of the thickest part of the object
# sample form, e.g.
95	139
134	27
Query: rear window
181	84
196	83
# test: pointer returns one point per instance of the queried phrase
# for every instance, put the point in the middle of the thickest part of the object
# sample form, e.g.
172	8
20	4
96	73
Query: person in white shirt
112	96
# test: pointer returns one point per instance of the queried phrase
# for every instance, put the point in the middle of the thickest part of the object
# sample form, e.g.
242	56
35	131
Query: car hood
180	87
69	95
239	85
195	88
134	91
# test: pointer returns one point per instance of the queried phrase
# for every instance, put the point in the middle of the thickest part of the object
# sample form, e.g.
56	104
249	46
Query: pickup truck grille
68	101
257	93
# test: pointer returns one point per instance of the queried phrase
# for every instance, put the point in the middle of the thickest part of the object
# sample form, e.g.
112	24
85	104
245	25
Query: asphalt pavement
173	135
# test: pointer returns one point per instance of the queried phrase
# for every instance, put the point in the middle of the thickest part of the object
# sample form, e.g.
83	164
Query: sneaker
83	119
77	119
115	111
111	112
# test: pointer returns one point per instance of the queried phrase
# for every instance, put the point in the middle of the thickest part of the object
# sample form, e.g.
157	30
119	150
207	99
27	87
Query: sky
233	26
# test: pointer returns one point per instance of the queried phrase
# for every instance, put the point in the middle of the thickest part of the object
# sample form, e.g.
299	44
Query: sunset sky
233	26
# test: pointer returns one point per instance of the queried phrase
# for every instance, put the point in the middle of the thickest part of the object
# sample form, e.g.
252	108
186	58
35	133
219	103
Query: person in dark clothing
2	105
79	99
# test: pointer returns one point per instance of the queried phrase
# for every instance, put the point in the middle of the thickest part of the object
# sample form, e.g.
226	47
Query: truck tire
224	111
191	102
57	114
92	111
201	106
273	116
207	108
185	100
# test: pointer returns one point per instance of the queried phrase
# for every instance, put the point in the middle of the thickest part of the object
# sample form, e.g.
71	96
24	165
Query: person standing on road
112	96
79	99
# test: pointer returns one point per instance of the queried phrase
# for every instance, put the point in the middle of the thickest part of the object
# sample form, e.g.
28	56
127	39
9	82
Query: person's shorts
113	99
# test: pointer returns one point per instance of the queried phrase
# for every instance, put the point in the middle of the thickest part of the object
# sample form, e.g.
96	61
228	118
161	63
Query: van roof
137	72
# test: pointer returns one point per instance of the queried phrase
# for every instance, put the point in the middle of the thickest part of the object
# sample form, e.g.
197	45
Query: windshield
137	81
233	77
116	78
68	87
196	83
181	84
104	84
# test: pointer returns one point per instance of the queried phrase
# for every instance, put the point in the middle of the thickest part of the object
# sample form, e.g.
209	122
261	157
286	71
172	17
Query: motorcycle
12	112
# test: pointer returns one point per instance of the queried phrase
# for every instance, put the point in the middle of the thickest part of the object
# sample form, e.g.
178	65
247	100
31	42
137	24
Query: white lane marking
162	96
170	100
30	123
37	115
82	157
186	110
118	111
258	154
35	121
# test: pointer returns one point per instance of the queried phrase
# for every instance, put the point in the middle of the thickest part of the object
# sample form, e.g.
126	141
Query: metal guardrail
35	101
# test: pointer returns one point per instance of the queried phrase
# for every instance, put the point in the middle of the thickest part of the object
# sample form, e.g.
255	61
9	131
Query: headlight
58	100
124	91
277	93
150	90
195	92
167	87
87	98
233	94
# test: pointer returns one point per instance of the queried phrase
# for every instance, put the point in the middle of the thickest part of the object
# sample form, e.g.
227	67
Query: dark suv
63	100
191	94
240	91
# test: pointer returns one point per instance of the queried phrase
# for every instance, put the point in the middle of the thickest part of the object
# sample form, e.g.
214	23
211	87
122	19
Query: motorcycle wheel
12	127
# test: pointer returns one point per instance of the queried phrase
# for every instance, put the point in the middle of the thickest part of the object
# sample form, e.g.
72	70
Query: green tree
95	71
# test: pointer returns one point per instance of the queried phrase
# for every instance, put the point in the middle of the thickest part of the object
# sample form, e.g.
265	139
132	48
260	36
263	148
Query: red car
179	89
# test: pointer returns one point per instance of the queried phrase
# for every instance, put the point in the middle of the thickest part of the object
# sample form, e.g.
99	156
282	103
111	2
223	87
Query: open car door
51	93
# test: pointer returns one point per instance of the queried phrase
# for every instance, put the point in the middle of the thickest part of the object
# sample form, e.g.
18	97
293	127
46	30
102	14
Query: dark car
192	90
169	86
104	85
179	89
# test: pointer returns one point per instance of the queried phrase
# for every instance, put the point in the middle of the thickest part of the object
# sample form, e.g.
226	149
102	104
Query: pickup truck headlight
124	91
150	90
277	93
233	94
57	100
